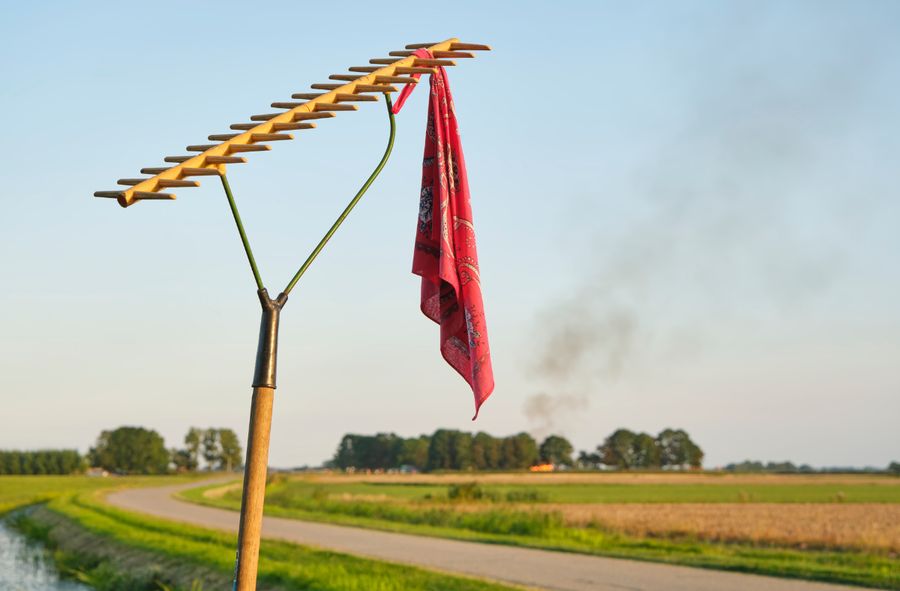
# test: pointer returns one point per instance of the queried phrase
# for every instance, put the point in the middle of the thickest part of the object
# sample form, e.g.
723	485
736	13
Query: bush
525	496
468	491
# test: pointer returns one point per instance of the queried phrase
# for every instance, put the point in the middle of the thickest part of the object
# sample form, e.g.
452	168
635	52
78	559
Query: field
828	527
105	547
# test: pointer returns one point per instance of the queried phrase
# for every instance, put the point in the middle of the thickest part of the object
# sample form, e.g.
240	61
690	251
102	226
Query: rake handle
254	489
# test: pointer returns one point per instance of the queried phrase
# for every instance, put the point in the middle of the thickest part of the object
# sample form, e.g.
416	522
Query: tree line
133	450
45	461
624	449
136	450
448	449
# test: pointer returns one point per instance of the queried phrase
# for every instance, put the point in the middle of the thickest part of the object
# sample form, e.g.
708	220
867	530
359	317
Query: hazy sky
687	216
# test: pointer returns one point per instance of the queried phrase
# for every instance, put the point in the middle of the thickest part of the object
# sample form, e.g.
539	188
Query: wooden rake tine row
362	85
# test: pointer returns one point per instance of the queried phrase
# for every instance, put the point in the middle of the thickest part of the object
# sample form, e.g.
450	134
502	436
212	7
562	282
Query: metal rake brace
362	85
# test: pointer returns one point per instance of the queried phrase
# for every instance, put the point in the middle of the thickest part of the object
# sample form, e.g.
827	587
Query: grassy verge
504	526
164	549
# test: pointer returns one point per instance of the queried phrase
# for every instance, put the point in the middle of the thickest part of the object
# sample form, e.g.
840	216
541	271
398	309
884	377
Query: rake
363	84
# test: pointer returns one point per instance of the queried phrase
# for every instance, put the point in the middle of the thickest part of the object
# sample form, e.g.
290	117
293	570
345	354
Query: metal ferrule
267	350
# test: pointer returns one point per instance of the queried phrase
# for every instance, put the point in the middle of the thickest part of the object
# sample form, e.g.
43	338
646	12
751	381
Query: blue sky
687	216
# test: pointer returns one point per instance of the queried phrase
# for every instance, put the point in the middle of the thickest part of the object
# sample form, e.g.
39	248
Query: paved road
558	571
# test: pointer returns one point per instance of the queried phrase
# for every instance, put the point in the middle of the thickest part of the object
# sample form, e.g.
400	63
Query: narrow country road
558	571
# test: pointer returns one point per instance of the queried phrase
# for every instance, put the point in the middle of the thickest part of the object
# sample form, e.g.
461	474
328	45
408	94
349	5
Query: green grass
300	500
636	493
17	491
282	565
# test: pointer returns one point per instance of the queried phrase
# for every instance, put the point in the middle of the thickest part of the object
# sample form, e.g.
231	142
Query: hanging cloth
445	255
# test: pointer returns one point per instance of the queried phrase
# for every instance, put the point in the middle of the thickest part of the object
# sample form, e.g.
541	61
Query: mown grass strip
859	568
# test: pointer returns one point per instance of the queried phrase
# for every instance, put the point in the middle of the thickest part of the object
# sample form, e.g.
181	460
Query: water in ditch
25	567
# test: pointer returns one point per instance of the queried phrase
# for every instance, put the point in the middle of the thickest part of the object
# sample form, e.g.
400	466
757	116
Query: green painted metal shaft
240	227
387	153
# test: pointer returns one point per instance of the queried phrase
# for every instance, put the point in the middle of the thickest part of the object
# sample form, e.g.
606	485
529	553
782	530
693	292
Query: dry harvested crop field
854	513
872	526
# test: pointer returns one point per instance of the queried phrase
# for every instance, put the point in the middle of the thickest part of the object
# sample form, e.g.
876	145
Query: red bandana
445	255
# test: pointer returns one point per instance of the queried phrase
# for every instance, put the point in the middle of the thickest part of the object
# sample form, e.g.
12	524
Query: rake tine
270	137
244	126
167	183
396	79
374	88
355	97
249	148
199	171
451	54
468	47
335	107
306	95
289	126
147	195
429	62
226	159
413	70
302	116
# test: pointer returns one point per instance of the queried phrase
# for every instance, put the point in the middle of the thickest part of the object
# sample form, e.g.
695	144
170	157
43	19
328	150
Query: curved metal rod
240	227
315	252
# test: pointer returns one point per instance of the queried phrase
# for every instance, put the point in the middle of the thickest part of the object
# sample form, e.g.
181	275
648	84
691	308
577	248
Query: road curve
557	571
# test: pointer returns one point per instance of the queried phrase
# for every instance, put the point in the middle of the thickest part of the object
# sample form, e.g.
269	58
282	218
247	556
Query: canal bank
27	565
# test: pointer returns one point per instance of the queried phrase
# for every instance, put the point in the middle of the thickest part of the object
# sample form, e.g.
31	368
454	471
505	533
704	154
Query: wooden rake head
362	85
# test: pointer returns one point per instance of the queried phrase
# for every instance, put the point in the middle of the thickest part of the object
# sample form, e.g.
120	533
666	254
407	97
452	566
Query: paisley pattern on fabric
445	255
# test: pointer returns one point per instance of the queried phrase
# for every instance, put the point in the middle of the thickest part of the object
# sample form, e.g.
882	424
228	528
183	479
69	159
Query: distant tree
556	450
385	451
415	452
746	466
461	451
646	452
485	451
192	442
230	450
619	449
212	452
440	455
345	456
894	468
130	450
678	450
518	452
588	460
182	460
45	461
781	467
